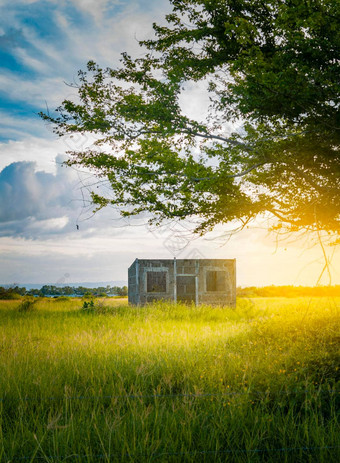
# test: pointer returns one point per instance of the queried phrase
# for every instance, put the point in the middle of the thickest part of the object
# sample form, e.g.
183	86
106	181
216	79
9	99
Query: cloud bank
36	203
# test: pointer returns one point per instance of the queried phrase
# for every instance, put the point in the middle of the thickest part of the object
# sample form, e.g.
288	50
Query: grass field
170	383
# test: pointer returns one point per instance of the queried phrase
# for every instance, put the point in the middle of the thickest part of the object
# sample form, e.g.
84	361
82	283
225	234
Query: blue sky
43	44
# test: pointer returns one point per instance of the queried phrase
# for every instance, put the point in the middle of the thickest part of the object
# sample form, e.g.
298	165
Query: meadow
170	383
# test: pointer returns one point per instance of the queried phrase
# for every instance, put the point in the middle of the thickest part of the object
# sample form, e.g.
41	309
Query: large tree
271	70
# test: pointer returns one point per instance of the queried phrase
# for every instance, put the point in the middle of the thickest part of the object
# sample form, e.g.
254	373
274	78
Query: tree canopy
270	141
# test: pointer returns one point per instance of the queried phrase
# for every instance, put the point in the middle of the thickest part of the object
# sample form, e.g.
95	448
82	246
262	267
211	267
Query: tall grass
170	383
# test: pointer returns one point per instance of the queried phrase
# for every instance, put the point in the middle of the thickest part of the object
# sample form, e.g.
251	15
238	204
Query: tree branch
218	137
198	179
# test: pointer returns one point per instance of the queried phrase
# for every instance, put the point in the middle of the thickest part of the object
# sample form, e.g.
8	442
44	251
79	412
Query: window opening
156	282
216	280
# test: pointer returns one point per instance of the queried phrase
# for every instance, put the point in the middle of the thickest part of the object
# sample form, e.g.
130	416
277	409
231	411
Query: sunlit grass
170	383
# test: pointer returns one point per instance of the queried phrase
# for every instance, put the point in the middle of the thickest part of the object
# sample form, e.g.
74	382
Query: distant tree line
251	291
289	291
12	293
52	290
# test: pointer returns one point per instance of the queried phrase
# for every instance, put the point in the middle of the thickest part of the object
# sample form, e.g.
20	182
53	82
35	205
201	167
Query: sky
43	44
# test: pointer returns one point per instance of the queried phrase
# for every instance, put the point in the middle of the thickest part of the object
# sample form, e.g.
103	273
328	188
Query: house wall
133	291
223	269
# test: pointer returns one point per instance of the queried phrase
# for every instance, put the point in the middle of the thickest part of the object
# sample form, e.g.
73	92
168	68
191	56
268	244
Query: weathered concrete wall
133	292
202	281
138	275
225	296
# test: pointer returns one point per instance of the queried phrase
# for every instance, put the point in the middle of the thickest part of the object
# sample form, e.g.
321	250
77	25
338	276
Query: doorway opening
186	289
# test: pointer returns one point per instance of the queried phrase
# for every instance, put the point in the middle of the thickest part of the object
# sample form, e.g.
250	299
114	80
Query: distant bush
88	305
97	307
26	305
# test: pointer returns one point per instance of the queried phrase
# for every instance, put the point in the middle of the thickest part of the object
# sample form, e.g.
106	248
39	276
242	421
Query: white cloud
22	127
36	203
35	91
42	151
58	223
96	8
37	65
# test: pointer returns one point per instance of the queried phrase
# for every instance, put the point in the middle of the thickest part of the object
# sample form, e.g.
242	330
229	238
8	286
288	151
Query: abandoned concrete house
202	281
